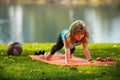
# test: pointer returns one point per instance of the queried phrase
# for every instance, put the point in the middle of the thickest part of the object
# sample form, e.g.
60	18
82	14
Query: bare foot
48	56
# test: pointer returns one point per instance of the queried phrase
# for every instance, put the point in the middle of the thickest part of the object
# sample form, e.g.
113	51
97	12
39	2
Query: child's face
78	36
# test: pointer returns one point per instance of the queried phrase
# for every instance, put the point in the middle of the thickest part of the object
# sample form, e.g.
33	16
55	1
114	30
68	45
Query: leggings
59	45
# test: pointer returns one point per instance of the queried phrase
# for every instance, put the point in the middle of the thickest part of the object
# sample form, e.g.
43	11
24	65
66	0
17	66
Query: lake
43	23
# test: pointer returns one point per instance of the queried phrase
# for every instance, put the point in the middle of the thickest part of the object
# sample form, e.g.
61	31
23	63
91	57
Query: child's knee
72	50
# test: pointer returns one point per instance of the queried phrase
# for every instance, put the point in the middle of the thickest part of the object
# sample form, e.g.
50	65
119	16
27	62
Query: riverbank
65	2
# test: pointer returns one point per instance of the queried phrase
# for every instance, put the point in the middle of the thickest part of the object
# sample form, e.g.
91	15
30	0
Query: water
43	23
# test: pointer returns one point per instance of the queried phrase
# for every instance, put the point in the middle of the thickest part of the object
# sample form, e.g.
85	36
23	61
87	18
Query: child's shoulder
65	31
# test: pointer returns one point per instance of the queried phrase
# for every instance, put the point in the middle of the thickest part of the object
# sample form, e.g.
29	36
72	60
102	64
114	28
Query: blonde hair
80	26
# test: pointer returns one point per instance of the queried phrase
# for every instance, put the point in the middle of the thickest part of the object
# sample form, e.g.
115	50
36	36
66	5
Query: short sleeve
64	33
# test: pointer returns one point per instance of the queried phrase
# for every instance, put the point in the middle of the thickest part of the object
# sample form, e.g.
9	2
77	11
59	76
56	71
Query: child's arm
67	52
86	52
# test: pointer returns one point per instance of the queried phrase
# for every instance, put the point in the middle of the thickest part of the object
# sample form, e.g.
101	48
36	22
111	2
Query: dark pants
59	45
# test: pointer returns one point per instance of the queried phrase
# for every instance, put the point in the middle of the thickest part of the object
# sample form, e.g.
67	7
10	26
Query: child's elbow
67	50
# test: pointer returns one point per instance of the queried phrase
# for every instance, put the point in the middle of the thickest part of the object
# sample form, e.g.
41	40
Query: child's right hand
66	62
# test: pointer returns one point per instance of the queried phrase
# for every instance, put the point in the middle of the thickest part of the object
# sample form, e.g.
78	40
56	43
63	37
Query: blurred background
29	21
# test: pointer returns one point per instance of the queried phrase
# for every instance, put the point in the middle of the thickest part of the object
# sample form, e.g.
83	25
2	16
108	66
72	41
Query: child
69	38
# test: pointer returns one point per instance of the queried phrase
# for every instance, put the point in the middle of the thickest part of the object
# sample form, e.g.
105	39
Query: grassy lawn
23	68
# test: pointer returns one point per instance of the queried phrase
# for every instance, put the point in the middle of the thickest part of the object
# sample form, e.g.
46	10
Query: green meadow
23	68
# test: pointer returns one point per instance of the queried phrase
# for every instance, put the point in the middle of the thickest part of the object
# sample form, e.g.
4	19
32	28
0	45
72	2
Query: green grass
23	68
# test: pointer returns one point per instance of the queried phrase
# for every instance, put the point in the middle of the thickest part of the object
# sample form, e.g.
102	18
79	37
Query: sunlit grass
23	68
